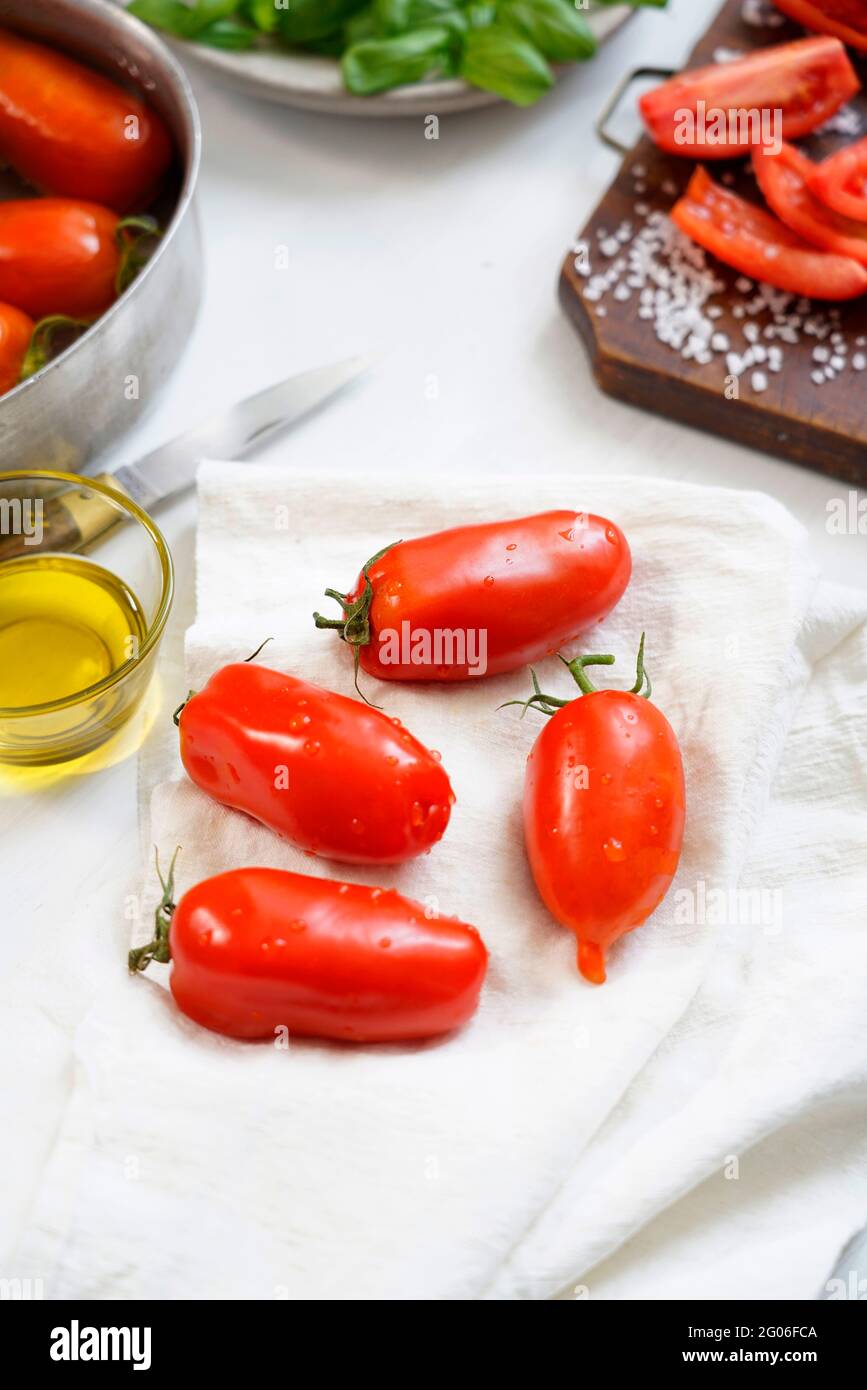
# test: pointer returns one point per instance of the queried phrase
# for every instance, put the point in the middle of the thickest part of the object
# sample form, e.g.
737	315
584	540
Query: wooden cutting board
774	404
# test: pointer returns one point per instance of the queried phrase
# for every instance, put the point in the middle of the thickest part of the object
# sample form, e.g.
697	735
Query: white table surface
440	259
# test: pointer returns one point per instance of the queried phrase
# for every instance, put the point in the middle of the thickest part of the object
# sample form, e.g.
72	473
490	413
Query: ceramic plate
316	85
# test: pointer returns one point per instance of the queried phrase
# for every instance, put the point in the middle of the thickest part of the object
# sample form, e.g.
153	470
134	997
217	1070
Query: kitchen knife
77	520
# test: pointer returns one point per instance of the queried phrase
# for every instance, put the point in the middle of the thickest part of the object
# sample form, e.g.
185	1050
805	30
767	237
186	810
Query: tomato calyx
42	346
550	704
135	237
354	625
176	717
158	949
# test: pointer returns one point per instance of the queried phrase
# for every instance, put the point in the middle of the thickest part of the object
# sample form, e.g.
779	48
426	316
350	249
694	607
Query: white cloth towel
722	1066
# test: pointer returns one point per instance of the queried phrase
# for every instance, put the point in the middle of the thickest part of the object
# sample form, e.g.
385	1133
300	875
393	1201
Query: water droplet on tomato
436	755
311	747
489	581
385	942
344	888
298	924
395	721
391	760
614	851
611	535
357	826
606	778
568	535
418	813
659	801
654	830
511	546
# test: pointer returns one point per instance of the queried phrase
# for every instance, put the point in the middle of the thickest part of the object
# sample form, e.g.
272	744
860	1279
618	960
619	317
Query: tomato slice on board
841	181
845	19
757	244
807	80
784	178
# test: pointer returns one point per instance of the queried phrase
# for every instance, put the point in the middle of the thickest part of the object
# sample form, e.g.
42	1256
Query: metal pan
93	392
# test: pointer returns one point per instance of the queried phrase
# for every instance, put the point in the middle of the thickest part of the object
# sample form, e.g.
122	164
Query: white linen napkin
508	1161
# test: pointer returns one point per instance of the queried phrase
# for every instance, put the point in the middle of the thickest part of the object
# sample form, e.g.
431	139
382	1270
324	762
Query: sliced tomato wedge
757	244
840	181
845	19
784	178
725	110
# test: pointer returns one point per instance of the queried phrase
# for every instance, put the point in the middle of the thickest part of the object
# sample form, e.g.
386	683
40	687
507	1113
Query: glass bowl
80	624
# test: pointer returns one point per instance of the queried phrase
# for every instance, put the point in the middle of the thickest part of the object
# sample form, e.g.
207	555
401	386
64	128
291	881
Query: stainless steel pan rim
125	32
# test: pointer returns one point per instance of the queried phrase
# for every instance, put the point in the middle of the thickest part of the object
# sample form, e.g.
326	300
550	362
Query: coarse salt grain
759	14
675	283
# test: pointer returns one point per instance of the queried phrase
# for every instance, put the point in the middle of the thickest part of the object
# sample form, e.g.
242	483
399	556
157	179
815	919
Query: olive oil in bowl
85	595
66	626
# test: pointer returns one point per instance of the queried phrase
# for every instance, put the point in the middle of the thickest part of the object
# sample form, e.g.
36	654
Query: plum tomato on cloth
334	776
840	181
257	950
484	599
604	810
808	81
845	19
68	130
784	178
16	331
759	245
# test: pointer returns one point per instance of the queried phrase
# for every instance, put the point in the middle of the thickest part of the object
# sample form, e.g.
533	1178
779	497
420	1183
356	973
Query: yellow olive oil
65	624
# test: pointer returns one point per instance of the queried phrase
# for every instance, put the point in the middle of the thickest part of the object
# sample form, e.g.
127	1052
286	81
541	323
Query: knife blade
172	467
80	519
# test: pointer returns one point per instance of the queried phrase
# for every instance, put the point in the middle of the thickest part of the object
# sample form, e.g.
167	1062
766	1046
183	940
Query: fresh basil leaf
184	21
481	14
207	12
171	16
499	60
315	19
379	64
263	13
391	16
398	16
555	27
360	27
227	33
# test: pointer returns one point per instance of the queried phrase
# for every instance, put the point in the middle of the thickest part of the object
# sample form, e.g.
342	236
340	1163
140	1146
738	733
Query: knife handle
75	521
